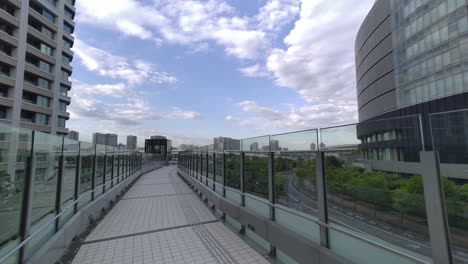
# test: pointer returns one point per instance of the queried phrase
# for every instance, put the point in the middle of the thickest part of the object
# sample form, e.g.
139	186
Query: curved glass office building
412	59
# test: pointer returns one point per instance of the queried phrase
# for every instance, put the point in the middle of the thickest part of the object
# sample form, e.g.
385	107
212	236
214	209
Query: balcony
312	196
43	20
47	39
38	53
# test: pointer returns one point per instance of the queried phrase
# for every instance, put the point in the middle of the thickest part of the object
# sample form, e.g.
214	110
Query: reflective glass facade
430	49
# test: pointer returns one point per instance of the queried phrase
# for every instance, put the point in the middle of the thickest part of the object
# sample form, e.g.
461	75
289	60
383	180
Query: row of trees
384	190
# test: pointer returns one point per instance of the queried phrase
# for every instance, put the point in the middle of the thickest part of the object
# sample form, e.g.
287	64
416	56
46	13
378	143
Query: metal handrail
326	225
35	233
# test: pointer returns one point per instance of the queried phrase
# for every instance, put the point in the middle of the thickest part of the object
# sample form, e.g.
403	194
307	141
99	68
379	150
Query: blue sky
192	70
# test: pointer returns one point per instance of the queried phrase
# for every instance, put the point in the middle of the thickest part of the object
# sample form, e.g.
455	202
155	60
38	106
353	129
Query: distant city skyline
141	76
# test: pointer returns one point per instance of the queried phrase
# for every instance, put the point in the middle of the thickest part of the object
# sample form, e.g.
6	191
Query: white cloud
255	70
305	117
187	22
117	67
277	13
94	102
319	60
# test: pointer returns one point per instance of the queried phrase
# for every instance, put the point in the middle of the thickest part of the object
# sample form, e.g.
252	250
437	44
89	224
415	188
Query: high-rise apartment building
131	142
35	56
105	139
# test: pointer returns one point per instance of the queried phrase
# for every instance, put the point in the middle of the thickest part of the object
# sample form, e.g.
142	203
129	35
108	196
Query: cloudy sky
193	70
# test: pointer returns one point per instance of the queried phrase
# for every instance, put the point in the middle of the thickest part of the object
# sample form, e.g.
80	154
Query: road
392	235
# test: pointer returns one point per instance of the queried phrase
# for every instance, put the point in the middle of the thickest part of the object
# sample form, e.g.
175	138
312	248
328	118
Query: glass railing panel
16	148
284	258
362	251
203	166
300	223
450	139
70	153
234	196
256	144
100	152
374	186
210	165
233	170
256	174
108	169
47	152
294	161
87	152
219	172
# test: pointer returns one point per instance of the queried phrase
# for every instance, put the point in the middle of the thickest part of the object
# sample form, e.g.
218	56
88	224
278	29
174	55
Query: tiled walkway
160	220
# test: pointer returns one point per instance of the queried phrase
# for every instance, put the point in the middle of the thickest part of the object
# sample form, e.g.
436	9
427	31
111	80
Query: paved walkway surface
160	220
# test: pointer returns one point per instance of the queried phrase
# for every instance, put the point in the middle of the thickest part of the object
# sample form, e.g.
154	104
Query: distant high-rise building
313	146
274	145
220	142
158	137
132	142
105	139
35	61
254	146
73	135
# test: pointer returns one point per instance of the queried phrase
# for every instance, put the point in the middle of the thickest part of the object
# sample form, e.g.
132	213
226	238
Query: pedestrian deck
161	220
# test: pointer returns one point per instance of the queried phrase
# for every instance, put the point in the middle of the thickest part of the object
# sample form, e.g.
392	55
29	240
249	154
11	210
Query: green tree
464	193
280	185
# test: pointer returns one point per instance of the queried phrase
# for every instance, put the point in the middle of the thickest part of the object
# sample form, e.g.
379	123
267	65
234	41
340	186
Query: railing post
118	168
112	170
242	184
435	207
207	168
322	196
271	192
93	175
224	175
127	165
26	208
214	171
59	187
76	192
105	173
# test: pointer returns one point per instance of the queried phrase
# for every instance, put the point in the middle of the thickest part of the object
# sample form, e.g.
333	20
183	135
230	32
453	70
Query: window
27	116
42	101
63	91
52	2
66	60
45	66
65	76
67	44
5	70
5	48
62	107
43	83
48	15
458	82
67	29
3	112
3	90
7	7
46	49
6	28
68	13
61	122
42	119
